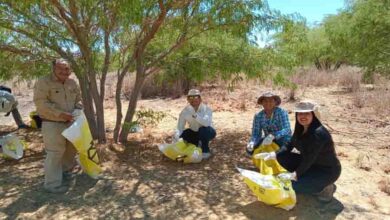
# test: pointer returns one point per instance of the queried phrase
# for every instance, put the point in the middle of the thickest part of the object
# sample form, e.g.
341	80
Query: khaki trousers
60	153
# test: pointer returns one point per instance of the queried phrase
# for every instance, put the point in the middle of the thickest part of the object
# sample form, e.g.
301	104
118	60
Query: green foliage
146	118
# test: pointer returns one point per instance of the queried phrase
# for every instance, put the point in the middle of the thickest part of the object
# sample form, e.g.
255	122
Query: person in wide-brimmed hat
316	168
199	118
270	124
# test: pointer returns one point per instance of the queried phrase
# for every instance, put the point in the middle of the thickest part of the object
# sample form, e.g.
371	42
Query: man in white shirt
198	116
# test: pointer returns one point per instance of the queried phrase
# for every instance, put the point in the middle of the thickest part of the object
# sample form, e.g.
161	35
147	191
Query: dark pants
314	180
204	136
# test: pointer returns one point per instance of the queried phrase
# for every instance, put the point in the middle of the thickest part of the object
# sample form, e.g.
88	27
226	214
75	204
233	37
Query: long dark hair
298	131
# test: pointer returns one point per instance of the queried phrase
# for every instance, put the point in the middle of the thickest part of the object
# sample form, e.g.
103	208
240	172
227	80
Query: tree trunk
139	80
118	102
88	106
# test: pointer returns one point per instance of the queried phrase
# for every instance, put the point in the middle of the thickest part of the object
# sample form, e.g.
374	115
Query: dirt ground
140	183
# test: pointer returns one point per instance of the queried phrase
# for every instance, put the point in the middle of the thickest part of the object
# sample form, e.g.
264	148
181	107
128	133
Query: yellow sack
270	189
269	167
182	151
11	147
80	136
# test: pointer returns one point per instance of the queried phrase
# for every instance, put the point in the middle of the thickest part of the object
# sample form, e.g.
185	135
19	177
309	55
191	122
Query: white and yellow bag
270	189
182	151
268	167
11	146
80	136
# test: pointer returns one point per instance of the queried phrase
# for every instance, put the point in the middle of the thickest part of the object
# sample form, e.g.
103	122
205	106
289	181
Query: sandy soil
140	183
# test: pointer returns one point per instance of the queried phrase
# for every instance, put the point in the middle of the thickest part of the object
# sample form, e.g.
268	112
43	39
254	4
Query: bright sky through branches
313	10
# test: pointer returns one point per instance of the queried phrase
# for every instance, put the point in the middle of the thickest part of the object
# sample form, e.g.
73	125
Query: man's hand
268	140
265	156
66	117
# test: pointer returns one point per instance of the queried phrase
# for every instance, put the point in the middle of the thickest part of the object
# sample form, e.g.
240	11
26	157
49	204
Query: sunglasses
193	97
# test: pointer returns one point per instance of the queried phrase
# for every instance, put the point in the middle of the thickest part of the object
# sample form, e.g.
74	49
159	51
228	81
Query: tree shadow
141	183
307	207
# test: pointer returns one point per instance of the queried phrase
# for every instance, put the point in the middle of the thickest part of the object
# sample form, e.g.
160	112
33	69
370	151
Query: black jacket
316	148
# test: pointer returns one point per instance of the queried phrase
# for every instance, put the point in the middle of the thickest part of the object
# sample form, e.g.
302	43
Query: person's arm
181	122
285	125
287	148
44	106
256	128
310	153
205	119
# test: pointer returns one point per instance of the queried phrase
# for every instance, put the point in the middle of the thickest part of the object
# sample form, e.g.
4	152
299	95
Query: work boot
58	189
326	195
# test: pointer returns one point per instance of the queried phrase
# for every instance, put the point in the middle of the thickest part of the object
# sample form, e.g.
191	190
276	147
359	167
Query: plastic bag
268	167
182	151
12	146
270	189
80	136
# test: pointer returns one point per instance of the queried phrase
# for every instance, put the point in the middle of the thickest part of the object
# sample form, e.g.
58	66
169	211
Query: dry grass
384	185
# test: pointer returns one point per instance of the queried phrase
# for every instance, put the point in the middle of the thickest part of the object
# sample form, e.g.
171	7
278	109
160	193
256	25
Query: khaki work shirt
52	97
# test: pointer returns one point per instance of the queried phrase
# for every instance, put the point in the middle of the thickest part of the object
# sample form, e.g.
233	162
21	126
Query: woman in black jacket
316	167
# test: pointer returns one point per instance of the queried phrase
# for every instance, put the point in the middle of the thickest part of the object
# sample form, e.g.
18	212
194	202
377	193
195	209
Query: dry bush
313	77
173	89
378	100
384	185
349	78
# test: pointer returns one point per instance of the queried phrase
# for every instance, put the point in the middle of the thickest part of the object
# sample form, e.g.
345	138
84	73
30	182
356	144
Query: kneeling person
199	118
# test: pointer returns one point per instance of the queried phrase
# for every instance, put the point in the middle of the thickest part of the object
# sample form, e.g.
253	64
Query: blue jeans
314	180
204	135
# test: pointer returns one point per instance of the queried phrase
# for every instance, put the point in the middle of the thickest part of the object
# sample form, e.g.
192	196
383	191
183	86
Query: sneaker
58	189
326	195
206	156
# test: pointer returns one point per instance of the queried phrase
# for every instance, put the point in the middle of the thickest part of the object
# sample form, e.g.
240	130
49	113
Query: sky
313	10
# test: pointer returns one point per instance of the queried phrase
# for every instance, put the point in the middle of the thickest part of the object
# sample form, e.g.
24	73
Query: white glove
176	136
265	156
268	140
77	112
250	146
288	176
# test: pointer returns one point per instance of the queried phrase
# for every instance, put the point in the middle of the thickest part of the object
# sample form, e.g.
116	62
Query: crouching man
198	116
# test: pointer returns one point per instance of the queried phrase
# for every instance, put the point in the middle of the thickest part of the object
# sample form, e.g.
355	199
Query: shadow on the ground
141	183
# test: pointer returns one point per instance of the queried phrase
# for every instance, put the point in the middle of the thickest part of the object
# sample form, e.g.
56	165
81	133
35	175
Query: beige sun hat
269	94
308	106
193	92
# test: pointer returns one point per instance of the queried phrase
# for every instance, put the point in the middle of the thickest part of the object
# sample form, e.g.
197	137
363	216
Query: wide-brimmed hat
193	92
269	94
308	106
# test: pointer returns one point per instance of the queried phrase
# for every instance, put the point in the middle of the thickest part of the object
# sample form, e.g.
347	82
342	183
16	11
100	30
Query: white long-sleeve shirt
203	118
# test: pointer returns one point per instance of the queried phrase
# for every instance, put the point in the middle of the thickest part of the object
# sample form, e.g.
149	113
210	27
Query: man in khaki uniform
57	99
